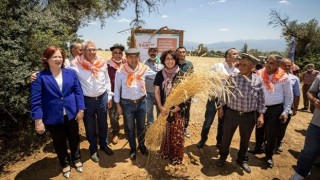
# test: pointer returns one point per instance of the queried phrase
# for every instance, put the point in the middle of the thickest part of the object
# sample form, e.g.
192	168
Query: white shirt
224	67
282	94
122	91
60	82
91	86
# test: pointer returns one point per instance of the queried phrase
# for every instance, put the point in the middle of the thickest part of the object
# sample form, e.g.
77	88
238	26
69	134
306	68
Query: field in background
199	164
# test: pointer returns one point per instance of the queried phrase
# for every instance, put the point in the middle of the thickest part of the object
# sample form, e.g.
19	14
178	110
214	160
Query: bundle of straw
200	83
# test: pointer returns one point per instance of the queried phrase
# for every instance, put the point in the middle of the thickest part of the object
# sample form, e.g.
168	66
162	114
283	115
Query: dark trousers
114	119
211	109
187	113
282	132
305	89
95	115
310	150
246	122
60	133
270	129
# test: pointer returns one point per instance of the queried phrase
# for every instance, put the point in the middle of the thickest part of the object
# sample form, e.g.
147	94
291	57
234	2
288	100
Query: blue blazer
48	101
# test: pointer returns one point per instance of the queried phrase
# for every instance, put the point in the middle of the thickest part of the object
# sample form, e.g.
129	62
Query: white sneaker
187	133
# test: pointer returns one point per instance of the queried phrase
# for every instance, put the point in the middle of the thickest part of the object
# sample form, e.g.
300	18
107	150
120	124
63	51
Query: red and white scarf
93	67
278	77
134	76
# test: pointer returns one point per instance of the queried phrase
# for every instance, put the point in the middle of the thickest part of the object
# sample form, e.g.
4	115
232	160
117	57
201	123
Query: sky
206	21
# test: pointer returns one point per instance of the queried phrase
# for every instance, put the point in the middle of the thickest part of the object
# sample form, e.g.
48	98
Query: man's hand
283	118
109	104
119	109
316	103
260	121
33	76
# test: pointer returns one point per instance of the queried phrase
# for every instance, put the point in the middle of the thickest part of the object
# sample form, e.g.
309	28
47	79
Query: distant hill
261	45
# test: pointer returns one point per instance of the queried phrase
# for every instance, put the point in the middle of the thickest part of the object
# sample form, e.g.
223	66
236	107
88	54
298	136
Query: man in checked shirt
245	109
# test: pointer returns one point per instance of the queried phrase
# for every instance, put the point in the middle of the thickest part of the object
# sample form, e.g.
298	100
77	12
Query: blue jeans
134	115
310	150
211	111
151	99
95	115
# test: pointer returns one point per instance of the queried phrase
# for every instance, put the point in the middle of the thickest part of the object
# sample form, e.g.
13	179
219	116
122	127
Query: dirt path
198	163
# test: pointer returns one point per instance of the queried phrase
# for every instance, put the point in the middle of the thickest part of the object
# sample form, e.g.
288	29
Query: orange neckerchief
94	68
278	76
114	64
134	76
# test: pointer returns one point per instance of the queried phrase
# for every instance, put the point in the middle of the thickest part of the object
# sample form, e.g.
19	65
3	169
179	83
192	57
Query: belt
274	105
241	113
95	98
135	100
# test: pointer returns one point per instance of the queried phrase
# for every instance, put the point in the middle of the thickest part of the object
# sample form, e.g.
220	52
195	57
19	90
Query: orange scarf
279	76
114	64
134	76
94	68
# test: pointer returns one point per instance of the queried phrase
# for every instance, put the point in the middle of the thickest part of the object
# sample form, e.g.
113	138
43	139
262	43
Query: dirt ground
198	163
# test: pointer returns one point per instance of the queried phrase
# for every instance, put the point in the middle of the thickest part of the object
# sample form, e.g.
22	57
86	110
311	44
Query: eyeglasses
91	50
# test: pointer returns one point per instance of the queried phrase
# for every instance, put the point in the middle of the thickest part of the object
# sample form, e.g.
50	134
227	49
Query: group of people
86	87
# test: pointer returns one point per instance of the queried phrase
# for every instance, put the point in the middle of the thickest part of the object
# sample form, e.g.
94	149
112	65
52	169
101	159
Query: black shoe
256	151
270	162
221	162
244	166
133	154
143	150
201	143
107	150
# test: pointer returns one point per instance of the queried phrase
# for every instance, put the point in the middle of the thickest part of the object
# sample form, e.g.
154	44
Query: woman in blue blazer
57	105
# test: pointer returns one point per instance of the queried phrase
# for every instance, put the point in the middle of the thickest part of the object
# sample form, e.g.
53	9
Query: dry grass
202	83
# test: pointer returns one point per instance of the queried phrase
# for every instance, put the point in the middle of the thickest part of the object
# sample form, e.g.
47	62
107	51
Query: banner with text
162	41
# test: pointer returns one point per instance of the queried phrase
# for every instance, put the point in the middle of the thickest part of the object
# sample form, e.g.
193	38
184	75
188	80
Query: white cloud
284	2
223	29
214	2
124	20
164	16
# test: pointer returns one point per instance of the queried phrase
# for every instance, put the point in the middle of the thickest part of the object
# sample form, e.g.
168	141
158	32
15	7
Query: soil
198	163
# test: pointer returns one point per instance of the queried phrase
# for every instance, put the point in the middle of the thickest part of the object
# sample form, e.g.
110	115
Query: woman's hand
175	109
39	126
80	115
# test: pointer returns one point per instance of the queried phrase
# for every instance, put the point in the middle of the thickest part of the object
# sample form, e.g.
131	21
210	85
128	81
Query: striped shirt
247	93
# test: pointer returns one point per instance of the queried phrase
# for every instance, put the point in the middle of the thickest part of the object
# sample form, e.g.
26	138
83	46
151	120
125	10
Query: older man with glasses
95	82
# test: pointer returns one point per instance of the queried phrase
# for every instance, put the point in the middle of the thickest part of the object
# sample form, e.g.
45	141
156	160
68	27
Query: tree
306	35
244	48
201	50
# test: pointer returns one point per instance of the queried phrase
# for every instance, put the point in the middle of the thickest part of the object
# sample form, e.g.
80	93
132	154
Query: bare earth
198	163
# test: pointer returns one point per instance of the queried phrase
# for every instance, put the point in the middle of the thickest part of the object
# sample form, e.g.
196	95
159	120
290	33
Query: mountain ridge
259	44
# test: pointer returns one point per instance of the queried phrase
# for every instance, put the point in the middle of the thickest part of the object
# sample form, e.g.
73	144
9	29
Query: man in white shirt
130	98
95	82
228	68
278	100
